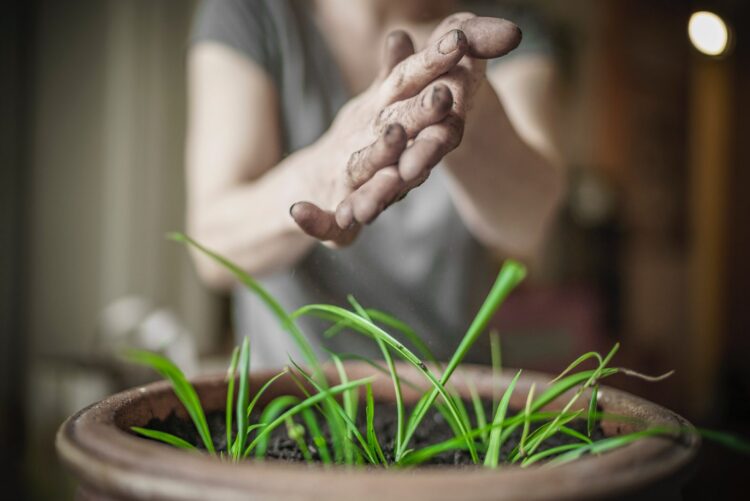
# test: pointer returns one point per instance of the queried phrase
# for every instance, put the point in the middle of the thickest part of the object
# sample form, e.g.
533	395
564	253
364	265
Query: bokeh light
708	33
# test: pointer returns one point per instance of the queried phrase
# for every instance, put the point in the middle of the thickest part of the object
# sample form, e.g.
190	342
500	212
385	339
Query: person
305	138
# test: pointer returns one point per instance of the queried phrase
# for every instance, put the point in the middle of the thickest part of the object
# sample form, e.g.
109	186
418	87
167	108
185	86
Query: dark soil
432	430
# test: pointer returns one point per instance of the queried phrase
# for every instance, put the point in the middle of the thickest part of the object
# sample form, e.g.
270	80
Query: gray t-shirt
417	261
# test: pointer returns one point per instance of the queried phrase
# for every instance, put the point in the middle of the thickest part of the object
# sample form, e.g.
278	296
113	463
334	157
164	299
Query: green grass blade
243	396
329	409
497	365
591	418
463	413
728	440
350	397
405	329
261	391
274	408
511	274
360	324
165	437
339	411
229	408
308	402
243	277
296	432
458	442
527	420
363	326
560	387
608	444
578	361
420	403
549	429
372	437
550	452
182	388
495	441
593	379
476	402
555	391
393	373
575	434
419	456
378	367
335	329
350	407
449	418
415	457
317	436
389	321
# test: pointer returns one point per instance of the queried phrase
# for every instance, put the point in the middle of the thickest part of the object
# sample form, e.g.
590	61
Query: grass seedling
496	360
511	274
229	407
352	442
305	404
184	391
591	418
526	420
478	405
253	285
496	439
165	437
394	377
243	396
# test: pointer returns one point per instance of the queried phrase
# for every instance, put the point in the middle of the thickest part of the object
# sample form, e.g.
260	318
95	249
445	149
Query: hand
421	97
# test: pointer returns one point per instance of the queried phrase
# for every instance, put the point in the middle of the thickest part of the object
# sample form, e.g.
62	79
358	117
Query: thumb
488	37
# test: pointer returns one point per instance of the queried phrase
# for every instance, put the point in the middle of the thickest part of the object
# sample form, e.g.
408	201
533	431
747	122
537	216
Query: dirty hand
420	101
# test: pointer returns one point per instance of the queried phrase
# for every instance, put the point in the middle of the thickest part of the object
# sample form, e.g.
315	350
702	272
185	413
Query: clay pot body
110	463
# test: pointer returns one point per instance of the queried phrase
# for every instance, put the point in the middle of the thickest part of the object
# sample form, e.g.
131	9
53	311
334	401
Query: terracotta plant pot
111	463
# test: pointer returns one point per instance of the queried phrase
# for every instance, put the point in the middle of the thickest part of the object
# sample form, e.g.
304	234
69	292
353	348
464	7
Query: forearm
249	221
505	190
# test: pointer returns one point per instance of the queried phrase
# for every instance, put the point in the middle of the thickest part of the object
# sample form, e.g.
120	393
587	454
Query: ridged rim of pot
94	444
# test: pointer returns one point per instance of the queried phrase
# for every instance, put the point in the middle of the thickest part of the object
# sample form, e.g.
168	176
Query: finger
386	149
407	186
414	73
463	81
430	146
364	205
321	224
416	113
398	46
491	37
452	22
487	37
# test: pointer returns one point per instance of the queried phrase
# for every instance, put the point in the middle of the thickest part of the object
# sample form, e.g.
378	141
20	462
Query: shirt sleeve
244	25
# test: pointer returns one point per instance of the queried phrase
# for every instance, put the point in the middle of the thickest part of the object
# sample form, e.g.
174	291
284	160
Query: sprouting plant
349	436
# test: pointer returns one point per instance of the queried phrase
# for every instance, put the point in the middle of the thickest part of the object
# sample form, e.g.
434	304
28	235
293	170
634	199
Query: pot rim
104	456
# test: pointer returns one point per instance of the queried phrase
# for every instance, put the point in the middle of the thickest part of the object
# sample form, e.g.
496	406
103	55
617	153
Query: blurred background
650	248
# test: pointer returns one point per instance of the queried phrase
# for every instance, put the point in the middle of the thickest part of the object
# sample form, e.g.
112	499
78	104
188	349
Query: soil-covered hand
420	101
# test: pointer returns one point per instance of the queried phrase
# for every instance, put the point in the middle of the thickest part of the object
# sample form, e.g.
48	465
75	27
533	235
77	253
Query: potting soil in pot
434	429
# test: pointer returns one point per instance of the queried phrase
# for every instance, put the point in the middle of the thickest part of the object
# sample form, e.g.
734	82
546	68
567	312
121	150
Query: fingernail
344	216
392	132
437	98
451	41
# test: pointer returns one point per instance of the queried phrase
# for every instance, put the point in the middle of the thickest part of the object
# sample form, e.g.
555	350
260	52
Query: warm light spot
708	33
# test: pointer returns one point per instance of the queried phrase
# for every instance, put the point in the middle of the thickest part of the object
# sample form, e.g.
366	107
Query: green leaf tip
177	236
